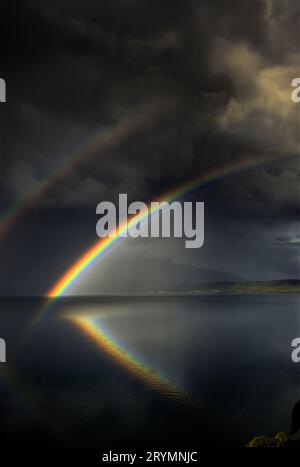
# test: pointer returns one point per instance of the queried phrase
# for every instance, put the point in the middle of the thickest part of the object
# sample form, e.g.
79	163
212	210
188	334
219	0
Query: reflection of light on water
93	328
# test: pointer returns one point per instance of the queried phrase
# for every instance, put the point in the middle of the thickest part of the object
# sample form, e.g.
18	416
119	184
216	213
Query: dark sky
148	93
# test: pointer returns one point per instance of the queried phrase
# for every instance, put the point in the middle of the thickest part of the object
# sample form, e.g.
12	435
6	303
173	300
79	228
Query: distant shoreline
232	287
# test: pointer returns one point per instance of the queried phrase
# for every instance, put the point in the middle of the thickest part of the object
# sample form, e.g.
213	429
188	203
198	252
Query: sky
137	97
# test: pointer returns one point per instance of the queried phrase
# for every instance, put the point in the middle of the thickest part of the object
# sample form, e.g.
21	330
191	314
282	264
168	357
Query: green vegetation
250	287
281	440
266	287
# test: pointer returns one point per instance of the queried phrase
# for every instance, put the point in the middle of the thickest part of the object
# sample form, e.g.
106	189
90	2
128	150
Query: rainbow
95	331
90	326
102	140
104	246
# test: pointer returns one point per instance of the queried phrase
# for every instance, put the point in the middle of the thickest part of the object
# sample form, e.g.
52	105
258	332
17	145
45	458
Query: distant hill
160	276
257	287
156	274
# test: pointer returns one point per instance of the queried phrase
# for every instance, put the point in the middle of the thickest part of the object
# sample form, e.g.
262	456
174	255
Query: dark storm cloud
89	62
219	73
109	44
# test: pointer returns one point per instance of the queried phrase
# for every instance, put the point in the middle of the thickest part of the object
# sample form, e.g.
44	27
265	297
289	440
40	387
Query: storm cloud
199	84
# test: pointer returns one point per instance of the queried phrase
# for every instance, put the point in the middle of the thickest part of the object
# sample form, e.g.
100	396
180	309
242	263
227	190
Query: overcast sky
138	96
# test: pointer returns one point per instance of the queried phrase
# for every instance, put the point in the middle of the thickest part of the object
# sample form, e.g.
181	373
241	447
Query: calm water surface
189	371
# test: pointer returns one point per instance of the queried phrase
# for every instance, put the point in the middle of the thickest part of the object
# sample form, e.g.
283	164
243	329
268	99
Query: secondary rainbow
101	141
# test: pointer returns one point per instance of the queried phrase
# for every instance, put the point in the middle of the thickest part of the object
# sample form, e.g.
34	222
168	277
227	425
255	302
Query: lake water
169	371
